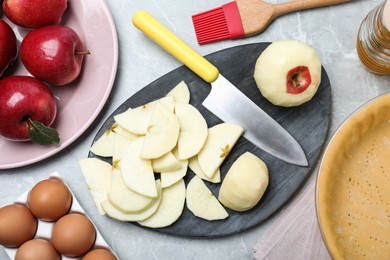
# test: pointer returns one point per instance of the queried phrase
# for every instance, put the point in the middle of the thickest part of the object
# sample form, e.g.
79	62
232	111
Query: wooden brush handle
257	14
297	5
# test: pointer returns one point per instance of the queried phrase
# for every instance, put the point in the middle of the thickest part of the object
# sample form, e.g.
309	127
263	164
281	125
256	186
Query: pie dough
353	195
273	67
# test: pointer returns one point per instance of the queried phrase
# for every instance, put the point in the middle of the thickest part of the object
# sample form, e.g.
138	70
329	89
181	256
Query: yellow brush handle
175	46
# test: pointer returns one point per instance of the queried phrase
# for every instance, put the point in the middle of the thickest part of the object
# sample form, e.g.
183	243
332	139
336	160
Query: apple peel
27	110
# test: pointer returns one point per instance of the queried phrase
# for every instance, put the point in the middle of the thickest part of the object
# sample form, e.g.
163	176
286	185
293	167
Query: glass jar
373	40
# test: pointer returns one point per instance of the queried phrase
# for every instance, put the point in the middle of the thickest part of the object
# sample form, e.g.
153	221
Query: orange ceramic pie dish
353	185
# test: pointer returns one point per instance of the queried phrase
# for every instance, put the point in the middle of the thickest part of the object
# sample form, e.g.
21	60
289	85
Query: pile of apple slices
164	137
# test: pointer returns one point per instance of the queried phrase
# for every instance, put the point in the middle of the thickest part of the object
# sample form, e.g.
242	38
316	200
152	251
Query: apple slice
171	177
123	132
137	172
202	202
162	134
120	144
193	130
166	163
97	174
180	93
124	198
104	145
194	166
137	120
113	212
220	140
168	102
170	208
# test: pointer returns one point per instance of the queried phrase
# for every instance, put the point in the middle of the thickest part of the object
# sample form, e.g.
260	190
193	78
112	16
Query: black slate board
308	123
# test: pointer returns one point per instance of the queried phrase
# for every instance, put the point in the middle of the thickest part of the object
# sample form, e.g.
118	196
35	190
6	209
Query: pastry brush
242	18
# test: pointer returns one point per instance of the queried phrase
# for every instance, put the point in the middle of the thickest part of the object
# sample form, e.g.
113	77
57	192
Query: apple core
298	80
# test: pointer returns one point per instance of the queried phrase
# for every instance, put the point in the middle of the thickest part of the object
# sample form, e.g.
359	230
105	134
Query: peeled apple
245	183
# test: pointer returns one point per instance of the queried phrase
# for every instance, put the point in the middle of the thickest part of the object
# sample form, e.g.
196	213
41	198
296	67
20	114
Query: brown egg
73	235
50	199
17	225
99	254
37	249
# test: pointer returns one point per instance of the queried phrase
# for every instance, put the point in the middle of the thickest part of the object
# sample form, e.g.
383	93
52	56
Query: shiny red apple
27	109
34	14
8	46
53	54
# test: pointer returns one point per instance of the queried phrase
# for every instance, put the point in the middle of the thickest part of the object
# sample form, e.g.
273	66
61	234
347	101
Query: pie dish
353	195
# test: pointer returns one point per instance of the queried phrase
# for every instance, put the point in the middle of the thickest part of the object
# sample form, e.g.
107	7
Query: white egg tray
44	228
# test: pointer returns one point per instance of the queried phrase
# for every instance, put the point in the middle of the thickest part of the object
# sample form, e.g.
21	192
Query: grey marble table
330	30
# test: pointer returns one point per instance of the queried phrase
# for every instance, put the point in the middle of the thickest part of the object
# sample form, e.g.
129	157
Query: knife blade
225	100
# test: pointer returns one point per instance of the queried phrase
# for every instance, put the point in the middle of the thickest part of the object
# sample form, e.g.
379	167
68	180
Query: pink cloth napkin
295	233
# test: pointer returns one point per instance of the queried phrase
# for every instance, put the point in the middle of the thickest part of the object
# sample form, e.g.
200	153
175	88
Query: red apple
33	14
27	108
53	54
8	46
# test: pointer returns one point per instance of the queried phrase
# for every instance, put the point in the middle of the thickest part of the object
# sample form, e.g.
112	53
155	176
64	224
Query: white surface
331	31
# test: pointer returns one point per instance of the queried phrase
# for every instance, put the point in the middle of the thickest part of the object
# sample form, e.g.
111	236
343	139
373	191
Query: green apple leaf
41	134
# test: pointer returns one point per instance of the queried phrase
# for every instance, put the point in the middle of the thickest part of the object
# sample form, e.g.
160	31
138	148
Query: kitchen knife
225	100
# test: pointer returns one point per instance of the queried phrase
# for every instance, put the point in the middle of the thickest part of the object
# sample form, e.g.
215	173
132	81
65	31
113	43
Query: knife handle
175	46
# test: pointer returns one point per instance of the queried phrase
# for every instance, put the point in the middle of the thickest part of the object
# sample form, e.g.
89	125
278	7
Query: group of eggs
49	203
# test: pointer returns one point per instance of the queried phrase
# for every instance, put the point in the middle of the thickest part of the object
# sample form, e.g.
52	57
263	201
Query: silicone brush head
218	24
